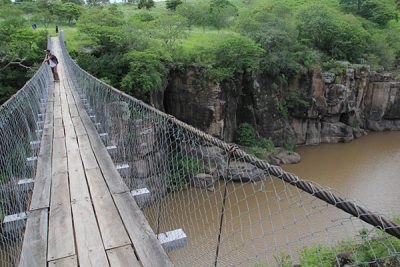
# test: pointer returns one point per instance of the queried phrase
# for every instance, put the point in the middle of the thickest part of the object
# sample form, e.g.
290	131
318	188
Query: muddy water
367	169
262	220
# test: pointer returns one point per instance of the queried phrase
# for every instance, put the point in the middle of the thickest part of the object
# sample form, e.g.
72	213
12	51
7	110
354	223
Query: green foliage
170	29
245	135
146	73
103	28
378	11
318	255
289	145
276	32
77	2
283	260
172	4
294	100
221	11
236	55
20	48
256	151
147	4
181	169
282	107
196	13
267	144
325	29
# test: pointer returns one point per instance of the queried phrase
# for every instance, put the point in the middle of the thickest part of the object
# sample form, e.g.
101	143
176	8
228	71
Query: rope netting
233	208
21	126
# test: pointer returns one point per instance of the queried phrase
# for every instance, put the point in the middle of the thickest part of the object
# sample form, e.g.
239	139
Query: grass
197	38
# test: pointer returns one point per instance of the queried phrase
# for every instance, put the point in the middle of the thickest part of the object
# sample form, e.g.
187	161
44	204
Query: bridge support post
14	222
173	240
141	196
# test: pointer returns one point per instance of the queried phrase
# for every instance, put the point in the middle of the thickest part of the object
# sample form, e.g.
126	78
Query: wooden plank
88	158
59	150
61	236
35	240
88	240
122	257
65	262
146	245
79	127
78	185
84	142
95	179
110	173
58	128
41	190
111	227
73	110
57	112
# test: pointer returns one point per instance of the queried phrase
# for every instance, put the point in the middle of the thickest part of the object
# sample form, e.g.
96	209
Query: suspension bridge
90	176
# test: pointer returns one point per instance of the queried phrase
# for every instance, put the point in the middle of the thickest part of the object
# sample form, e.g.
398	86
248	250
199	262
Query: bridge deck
81	211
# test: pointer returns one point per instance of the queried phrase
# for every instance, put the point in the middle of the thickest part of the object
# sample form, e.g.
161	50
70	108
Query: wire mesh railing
233	208
21	124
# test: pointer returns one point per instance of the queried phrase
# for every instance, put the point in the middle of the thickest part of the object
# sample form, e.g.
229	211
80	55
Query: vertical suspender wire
230	152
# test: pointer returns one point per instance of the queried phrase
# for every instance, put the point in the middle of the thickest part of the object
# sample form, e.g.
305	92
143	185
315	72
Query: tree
77	2
20	49
147	4
146	73
220	12
170	29
236	55
70	12
378	11
104	28
173	4
196	13
324	29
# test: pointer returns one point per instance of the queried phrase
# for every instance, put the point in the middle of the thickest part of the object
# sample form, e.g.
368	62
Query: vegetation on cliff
226	37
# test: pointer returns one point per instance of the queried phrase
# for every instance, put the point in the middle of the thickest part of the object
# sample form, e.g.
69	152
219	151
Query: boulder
213	158
204	180
286	157
336	133
245	172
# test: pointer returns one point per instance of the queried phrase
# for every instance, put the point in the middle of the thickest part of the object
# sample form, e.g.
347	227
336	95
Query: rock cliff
309	109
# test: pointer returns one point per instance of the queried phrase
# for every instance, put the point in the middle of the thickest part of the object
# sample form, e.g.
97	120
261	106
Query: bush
172	4
377	11
289	145
181	169
267	144
323	28
146	74
245	135
318	255
236	55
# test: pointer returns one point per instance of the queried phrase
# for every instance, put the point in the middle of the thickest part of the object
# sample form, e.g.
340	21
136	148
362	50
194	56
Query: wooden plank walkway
82	213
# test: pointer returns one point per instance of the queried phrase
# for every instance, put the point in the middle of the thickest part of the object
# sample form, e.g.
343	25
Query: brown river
267	218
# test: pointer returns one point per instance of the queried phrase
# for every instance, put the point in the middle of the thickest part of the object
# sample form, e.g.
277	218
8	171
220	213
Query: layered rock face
339	107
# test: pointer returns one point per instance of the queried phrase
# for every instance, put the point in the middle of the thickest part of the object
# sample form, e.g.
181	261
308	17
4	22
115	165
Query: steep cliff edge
307	109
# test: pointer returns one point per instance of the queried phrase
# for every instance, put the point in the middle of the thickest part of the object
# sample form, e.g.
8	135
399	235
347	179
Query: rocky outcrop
327	107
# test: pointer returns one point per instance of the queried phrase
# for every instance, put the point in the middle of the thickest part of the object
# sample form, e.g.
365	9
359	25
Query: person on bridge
53	62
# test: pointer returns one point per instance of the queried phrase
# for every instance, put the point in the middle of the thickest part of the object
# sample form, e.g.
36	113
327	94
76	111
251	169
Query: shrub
172	4
267	144
289	145
318	255
181	169
236	55
245	135
325	29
